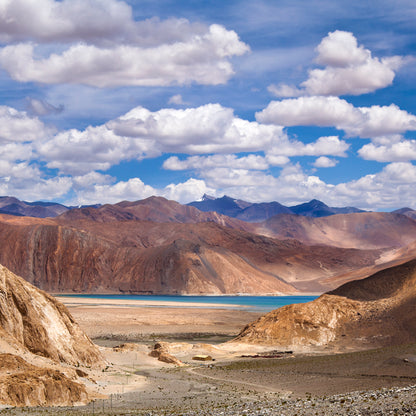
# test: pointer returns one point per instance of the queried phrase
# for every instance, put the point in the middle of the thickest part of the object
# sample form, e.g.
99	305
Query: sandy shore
137	320
81	301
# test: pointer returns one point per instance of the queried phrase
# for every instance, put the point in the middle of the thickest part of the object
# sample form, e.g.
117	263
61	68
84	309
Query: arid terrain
156	246
235	382
351	351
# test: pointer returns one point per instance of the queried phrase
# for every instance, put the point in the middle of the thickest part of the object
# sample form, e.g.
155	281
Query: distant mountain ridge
39	209
257	212
13	206
231	207
408	212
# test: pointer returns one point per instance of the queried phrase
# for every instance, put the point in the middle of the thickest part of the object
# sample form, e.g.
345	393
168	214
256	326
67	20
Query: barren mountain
155	209
34	324
316	209
13	206
85	255
160	246
224	205
409	212
256	212
377	311
366	230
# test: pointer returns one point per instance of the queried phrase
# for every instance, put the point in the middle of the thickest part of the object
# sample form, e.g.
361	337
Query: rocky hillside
366	230
31	320
377	311
35	325
156	246
167	258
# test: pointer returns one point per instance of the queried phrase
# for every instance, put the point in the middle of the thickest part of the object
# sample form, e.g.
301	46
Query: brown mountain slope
377	311
149	257
33	325
309	269
366	230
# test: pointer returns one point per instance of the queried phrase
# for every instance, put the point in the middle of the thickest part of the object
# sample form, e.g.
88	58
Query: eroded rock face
33	325
310	324
377	311
23	384
30	319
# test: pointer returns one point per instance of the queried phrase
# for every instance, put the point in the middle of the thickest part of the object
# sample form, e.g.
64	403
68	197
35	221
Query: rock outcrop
23	384
161	352
32	320
35	327
377	311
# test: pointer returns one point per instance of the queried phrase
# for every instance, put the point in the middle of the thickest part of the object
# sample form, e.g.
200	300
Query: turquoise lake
247	303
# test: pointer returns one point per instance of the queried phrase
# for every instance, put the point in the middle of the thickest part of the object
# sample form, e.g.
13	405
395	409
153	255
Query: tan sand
134	321
75	301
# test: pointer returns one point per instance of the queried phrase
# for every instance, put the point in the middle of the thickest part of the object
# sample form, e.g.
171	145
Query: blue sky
108	100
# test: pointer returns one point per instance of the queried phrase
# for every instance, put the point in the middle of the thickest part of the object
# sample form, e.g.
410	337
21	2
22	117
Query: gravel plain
373	382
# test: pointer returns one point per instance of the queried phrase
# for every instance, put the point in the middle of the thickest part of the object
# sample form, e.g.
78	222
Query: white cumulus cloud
349	69
68	20
135	189
325	162
176	100
214	161
187	191
402	151
95	148
18	126
323	111
210	128
202	60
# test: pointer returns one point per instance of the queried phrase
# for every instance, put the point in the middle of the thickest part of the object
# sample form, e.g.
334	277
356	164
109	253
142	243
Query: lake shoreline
251	303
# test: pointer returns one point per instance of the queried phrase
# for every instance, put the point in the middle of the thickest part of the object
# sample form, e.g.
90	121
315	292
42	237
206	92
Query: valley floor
374	382
115	320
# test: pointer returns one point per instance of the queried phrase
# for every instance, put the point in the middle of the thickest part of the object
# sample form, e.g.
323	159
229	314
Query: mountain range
256	212
156	246
13	206
230	207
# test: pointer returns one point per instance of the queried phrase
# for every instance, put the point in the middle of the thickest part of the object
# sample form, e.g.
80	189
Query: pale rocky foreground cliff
374	312
42	349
